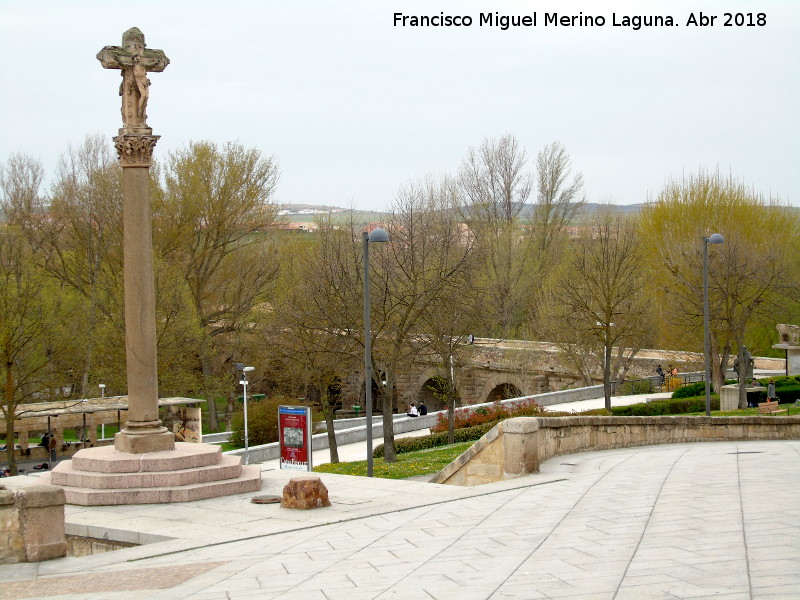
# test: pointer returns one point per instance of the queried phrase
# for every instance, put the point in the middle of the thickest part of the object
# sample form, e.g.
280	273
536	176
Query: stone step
64	474
248	481
105	459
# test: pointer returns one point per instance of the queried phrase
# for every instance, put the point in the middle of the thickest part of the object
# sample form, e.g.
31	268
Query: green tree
32	331
213	220
752	274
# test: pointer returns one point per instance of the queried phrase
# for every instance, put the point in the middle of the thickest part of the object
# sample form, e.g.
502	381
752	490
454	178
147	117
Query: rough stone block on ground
304	493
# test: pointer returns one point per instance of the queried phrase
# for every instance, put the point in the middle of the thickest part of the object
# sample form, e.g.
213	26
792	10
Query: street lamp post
377	235
102	387
714	238
243	383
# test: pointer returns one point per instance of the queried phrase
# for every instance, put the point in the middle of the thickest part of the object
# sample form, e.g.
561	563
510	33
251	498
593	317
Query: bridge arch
501	387
426	395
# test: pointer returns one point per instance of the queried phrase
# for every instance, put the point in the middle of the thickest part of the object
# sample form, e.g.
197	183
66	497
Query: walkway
713	520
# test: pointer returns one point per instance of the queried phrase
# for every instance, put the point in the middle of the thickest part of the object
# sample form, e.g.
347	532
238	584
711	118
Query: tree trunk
331	432
10	414
451	420
229	409
719	362
213	420
607	377
389	452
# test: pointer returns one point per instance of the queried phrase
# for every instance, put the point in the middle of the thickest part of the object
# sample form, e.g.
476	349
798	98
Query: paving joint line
560	521
744	526
380	535
341	521
460	537
649	518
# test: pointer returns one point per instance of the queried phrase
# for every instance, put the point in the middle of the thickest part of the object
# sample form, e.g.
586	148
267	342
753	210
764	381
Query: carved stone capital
135	150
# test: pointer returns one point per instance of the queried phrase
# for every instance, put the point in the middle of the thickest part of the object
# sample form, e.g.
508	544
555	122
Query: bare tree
309	306
495	187
426	262
600	301
20	183
558	199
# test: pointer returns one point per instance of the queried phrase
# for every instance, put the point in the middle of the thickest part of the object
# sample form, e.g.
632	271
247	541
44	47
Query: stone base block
104	476
229	467
248	481
305	492
106	459
133	443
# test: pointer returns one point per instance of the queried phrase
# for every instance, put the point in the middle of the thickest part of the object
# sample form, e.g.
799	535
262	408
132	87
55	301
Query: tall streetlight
243	383
377	235
102	387
714	238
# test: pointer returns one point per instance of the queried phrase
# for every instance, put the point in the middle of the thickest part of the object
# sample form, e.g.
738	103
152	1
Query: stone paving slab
671	521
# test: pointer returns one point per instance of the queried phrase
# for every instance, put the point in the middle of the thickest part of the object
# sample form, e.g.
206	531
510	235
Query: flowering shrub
472	416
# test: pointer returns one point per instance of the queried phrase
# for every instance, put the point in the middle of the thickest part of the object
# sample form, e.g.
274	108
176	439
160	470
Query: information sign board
294	429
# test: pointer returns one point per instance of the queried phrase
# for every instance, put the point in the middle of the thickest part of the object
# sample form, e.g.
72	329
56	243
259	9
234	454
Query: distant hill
527	211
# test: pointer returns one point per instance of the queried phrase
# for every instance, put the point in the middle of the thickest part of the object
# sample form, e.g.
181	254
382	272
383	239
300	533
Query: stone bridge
491	370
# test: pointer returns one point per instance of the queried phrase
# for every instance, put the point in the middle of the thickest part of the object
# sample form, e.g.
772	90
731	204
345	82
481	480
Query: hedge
785	394
434	440
782	383
667	406
690	390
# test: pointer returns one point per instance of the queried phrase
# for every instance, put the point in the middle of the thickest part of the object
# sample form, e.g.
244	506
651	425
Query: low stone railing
31	524
516	447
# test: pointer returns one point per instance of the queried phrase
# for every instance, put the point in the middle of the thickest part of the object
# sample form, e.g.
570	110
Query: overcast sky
353	106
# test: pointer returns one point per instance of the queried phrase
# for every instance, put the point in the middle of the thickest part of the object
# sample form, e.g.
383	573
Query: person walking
771	397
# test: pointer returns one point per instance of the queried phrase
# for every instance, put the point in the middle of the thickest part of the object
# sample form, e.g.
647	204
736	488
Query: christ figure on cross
135	60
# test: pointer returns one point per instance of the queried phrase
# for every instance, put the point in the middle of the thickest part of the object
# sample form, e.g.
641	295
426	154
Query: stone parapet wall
32	524
516	447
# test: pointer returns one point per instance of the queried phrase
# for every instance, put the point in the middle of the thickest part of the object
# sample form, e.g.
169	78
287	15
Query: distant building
307	226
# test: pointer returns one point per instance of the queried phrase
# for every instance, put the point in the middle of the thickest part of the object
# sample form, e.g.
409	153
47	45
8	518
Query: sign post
294	429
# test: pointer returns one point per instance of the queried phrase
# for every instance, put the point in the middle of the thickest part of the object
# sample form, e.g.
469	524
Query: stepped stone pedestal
105	476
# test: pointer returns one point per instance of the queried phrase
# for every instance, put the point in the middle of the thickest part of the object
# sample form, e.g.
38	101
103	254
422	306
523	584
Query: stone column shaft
143	431
140	308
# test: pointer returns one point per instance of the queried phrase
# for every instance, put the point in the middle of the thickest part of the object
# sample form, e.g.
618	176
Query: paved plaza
709	520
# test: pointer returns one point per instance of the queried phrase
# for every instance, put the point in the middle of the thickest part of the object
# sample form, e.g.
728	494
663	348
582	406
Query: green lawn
409	464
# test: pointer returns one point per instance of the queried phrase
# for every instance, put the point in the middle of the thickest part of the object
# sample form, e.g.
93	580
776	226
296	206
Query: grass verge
409	464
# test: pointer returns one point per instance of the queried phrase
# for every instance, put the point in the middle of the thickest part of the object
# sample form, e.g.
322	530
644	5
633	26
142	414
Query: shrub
782	381
434	440
667	406
470	417
262	421
692	389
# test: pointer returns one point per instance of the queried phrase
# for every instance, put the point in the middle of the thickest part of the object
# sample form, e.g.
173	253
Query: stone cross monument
143	431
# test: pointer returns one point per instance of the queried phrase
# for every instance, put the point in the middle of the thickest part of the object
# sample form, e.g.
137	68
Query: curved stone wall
516	447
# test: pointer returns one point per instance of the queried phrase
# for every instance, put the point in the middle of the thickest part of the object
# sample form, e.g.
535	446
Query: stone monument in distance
164	471
143	431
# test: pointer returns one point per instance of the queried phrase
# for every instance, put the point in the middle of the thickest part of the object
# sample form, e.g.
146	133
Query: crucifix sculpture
135	60
143	431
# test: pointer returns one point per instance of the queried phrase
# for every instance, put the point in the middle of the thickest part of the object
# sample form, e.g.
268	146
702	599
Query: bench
769	408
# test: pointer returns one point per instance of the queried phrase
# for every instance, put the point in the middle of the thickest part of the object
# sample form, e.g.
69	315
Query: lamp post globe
714	238
377	235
